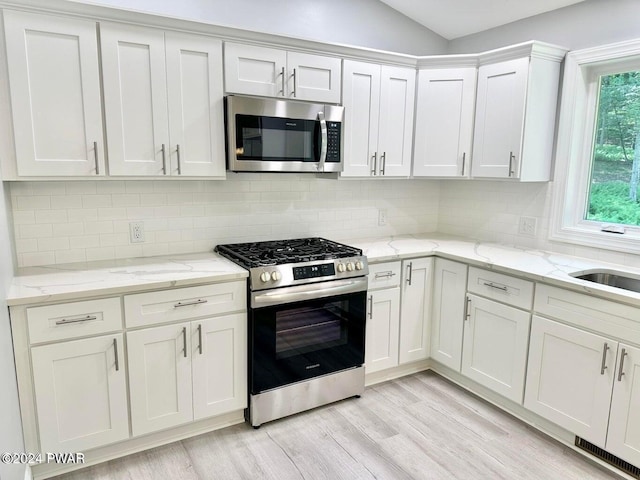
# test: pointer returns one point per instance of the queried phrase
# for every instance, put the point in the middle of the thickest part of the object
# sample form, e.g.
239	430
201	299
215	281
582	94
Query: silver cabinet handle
178	157
186	304
383	162
115	352
282	76
86	318
371	306
467	309
512	157
621	369
409	272
293	92
95	157
497	287
464	159
184	341
385	275
324	140
603	366
164	159
375	163
200	338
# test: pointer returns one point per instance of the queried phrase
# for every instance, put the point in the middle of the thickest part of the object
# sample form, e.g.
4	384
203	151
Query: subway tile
92	228
110	187
125	200
24	217
70	256
35	231
113	239
66	201
84	241
53	244
82	215
100	253
33	202
51	216
96	201
80	188
35	259
26	245
67	229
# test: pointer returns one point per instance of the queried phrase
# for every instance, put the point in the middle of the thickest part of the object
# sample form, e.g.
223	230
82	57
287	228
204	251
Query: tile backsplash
75	221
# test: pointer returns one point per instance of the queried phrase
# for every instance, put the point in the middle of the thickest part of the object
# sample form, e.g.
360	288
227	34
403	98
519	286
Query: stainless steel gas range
307	310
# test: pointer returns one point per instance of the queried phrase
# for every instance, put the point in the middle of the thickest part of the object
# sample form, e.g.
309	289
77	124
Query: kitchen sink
611	278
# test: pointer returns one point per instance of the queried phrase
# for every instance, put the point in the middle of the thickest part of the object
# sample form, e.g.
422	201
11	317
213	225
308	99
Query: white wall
10	423
61	222
364	23
585	24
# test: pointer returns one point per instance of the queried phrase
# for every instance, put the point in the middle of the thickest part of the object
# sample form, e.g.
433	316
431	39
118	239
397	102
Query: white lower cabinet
383	329
449	288
494	352
186	371
586	383
81	393
415	310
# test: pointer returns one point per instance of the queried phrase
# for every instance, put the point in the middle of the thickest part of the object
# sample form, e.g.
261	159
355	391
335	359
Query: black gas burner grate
260	254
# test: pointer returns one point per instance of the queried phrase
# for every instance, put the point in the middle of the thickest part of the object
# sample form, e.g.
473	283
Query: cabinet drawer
184	303
384	275
603	316
503	288
76	319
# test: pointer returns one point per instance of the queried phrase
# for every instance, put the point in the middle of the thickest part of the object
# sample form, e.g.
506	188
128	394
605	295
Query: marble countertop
81	280
78	280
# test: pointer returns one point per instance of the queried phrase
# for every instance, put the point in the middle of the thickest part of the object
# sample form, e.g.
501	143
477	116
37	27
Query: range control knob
340	267
359	265
275	276
265	277
350	267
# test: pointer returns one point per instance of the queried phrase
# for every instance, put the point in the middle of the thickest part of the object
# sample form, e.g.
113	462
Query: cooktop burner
278	252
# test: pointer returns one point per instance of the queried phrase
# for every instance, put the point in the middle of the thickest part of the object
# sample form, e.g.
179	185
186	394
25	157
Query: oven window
306	329
275	139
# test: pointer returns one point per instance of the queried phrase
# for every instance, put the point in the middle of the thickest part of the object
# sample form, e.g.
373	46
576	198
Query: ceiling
457	18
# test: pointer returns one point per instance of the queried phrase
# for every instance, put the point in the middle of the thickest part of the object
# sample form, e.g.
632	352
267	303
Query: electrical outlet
382	217
527	226
136	232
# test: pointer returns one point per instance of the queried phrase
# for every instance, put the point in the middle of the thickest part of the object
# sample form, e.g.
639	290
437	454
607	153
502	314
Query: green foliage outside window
615	167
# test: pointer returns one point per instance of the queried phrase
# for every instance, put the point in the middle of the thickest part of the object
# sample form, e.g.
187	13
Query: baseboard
396	372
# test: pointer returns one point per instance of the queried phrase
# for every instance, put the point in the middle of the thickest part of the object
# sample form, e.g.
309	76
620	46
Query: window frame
576	129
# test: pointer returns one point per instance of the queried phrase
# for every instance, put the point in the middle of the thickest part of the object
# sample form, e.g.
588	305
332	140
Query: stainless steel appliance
307	310
269	135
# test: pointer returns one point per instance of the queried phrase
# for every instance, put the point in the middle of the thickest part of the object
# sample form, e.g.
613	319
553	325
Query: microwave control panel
333	141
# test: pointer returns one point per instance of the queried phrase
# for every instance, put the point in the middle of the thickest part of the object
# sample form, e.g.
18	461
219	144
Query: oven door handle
312	291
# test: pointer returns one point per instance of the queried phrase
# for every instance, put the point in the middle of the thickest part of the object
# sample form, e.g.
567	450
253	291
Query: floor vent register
605	456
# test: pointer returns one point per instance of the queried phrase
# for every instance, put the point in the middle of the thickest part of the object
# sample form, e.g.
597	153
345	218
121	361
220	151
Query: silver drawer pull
385	275
186	304
115	352
66	321
497	287
371	306
603	366
621	369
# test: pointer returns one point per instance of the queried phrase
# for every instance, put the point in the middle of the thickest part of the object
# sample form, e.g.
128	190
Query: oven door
306	337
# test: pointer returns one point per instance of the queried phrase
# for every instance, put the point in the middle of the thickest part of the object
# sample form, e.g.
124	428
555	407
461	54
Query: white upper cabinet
515	114
378	126
196	110
270	72
163	102
55	95
444	122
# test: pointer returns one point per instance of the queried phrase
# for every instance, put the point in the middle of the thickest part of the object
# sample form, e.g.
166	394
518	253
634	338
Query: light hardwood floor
416	427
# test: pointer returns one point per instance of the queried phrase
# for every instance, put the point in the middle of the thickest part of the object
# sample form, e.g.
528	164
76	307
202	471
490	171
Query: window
597	195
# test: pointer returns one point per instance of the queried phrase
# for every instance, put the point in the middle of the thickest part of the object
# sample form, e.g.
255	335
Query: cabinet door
135	99
255	70
495	344
499	118
81	393
566	381
361	100
444	122
395	133
383	322
219	365
449	287
160	377
623	439
195	97
55	95
314	77
415	311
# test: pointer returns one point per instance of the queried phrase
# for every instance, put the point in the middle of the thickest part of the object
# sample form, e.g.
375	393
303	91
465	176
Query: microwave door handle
323	141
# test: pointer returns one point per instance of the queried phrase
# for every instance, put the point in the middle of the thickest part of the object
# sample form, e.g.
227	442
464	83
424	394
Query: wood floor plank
419	427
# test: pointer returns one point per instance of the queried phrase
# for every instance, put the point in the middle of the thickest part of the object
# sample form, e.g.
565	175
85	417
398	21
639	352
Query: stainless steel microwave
269	135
